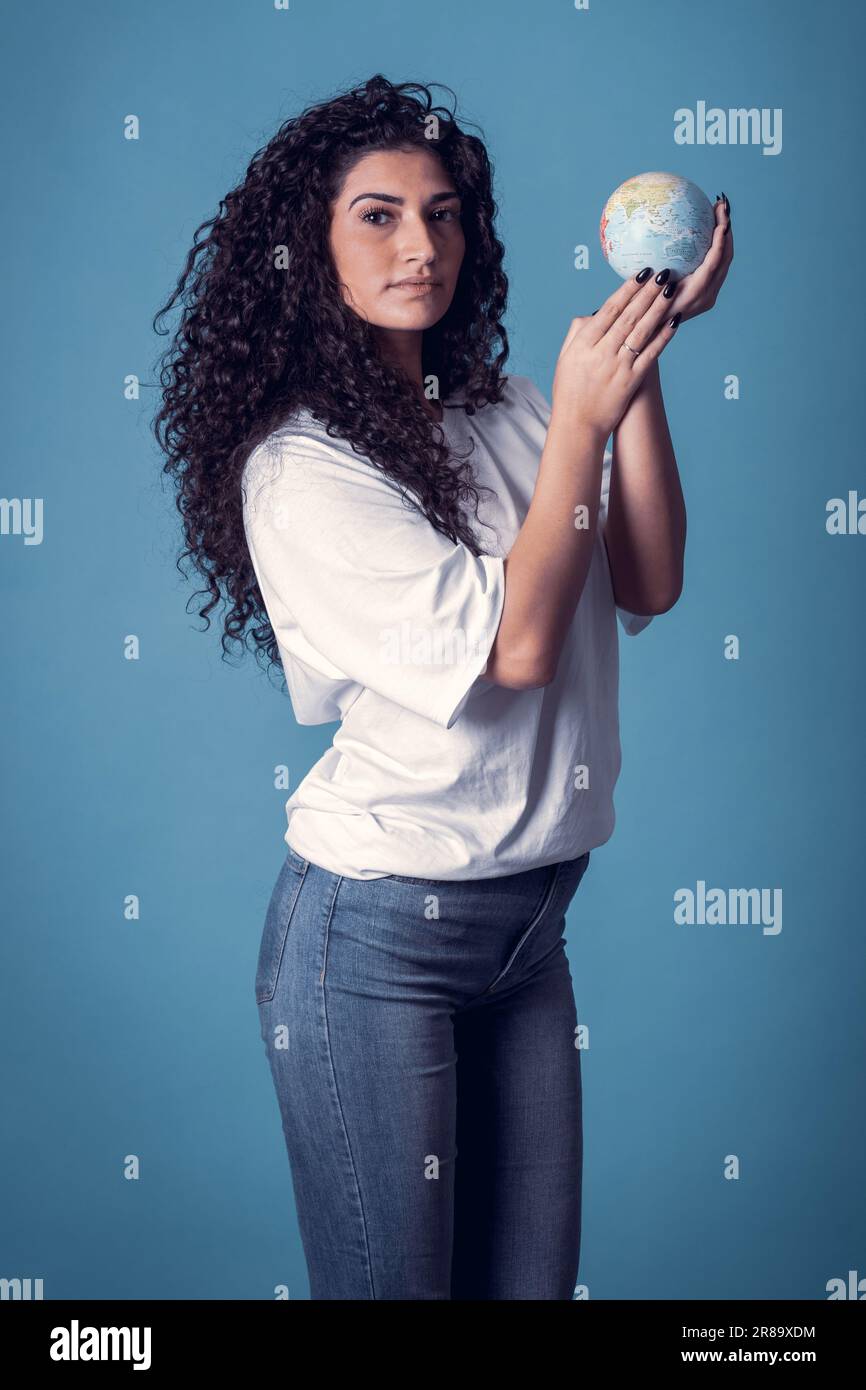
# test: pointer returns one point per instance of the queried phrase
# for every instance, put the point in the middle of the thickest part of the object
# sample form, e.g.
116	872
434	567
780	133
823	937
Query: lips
413	283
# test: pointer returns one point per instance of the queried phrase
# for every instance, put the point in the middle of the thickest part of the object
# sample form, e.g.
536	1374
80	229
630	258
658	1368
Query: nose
416	240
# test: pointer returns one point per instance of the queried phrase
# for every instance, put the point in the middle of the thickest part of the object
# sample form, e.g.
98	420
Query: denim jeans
421	1036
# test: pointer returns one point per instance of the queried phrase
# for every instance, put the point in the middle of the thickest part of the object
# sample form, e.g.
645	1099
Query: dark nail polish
670	287
593	314
727	204
644	274
662	277
675	320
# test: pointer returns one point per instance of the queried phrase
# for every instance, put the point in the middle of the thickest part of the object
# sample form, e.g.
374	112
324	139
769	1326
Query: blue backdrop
723	1081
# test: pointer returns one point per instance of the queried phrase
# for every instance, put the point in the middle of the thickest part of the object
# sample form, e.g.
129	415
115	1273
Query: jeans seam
541	909
421	882
336	1090
286	929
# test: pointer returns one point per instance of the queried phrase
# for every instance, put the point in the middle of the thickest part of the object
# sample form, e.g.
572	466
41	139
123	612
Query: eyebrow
389	198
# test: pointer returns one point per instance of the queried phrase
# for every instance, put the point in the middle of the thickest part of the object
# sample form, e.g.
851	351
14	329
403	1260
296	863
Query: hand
697	292
596	373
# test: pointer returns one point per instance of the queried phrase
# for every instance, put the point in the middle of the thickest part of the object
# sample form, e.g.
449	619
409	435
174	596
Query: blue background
155	776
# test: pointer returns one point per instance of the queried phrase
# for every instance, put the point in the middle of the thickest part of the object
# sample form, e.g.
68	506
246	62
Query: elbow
651	605
649	594
531	680
519	672
666	602
658	606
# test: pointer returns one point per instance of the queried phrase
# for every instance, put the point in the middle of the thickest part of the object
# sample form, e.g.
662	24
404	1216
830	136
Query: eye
450	214
374	212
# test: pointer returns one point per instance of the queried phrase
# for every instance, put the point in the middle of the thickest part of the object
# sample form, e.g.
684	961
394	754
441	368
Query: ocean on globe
661	220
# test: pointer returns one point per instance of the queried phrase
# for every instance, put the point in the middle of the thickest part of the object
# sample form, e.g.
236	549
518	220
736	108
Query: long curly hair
264	330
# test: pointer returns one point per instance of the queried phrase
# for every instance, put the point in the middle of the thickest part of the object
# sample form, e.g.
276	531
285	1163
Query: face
397	218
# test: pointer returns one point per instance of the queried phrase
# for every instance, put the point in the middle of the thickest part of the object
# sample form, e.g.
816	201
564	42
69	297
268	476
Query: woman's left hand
698	291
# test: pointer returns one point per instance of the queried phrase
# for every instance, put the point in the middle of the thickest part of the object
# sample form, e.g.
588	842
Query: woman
334	398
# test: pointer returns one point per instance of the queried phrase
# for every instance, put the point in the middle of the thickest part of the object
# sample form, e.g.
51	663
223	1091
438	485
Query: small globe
656	219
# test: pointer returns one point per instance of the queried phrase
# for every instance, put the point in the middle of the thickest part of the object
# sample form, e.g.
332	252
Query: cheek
361	258
458	249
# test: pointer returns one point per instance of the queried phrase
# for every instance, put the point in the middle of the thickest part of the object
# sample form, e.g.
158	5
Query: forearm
546	569
645	532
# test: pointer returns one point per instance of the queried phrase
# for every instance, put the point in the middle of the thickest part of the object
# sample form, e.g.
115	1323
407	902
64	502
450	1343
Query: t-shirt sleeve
632	623
360	585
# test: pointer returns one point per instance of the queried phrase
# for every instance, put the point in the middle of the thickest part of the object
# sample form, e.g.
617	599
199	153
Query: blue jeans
421	1036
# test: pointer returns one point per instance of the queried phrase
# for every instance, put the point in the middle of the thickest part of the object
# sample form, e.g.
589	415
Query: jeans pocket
278	918
296	860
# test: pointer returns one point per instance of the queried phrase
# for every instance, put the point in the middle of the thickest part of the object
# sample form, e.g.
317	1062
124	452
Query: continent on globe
656	219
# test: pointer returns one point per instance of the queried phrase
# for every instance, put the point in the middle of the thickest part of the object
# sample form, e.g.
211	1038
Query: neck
403	349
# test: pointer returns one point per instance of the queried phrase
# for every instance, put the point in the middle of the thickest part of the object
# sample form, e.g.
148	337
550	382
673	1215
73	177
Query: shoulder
300	455
302	485
300	436
530	405
525	397
520	397
521	387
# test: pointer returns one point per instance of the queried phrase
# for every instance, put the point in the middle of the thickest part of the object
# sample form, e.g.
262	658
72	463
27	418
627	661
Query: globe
656	219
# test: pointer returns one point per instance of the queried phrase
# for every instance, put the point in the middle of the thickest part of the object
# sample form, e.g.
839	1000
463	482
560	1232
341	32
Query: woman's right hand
596	375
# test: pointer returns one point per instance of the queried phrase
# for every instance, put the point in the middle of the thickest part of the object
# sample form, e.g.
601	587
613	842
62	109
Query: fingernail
644	274
593	314
727	204
674	321
669	289
718	196
662	276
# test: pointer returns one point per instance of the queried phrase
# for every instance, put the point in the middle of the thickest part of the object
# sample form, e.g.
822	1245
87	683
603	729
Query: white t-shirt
386	624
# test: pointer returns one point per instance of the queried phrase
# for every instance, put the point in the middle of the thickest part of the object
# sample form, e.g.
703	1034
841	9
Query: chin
419	311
